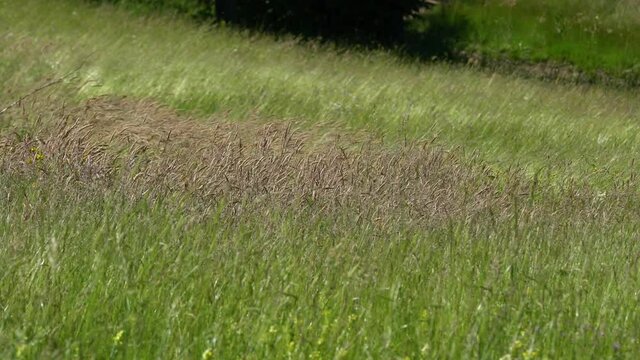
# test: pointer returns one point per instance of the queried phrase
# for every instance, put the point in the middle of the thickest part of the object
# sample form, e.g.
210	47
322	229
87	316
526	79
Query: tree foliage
381	20
366	20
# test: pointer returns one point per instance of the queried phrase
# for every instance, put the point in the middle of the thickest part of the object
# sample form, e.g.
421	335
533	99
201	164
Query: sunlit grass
509	121
105	256
594	35
146	280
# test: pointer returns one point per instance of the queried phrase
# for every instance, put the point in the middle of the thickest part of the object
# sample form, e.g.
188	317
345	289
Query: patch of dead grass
146	148
141	148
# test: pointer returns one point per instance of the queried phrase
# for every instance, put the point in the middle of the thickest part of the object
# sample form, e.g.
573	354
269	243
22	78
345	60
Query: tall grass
595	36
268	218
284	286
216	70
116	243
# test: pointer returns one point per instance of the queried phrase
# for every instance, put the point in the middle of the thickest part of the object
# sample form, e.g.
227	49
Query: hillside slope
175	191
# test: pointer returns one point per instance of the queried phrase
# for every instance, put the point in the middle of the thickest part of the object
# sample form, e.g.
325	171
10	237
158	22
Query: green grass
217	71
282	286
595	36
93	269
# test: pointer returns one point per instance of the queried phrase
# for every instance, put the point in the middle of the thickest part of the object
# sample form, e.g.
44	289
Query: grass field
192	192
596	37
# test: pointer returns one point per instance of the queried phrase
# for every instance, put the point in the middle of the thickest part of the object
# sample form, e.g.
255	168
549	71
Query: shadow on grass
439	33
434	32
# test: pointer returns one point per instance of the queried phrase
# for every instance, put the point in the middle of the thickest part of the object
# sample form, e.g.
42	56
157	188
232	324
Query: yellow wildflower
517	345
20	350
352	318
38	155
207	354
291	347
117	339
529	354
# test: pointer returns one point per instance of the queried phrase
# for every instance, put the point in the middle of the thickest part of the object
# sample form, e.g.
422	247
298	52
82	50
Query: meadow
597	38
174	190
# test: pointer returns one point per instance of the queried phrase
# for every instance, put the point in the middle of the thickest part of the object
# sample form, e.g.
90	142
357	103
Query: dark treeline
382	22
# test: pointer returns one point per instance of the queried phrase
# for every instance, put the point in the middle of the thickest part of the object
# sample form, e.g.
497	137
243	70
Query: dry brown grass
145	148
140	149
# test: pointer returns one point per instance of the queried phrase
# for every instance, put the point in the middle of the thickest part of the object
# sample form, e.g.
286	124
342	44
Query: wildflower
117	339
20	350
342	353
352	318
291	347
517	345
38	155
207	354
529	354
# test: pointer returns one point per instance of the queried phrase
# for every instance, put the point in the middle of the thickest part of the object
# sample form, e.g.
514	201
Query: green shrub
366	20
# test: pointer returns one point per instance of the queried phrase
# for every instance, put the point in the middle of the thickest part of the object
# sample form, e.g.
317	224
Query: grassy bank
192	192
568	40
596	37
